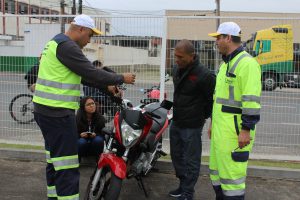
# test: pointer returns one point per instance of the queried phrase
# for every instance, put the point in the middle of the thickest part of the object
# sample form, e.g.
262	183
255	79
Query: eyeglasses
90	104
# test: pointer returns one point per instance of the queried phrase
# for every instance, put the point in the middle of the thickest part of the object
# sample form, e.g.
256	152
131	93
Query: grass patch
263	163
275	163
21	146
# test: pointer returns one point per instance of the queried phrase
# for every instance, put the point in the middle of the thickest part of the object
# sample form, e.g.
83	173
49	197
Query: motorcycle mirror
166	104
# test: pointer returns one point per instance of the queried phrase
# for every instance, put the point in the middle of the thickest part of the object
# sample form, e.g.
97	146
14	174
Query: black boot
234	197
219	192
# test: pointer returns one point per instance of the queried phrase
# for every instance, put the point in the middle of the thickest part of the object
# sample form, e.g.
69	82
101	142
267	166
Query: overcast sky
283	6
156	7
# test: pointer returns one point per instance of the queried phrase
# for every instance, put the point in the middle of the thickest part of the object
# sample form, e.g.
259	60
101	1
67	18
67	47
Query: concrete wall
11	50
114	55
199	28
36	36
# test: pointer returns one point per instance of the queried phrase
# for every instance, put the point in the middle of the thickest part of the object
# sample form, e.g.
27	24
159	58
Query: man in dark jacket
193	97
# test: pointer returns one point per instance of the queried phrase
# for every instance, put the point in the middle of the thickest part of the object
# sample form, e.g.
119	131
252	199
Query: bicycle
21	108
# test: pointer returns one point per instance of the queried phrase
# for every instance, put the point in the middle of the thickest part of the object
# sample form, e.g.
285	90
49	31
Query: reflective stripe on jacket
56	86
237	92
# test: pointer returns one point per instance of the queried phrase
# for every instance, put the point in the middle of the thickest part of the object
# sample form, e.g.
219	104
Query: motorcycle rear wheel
108	187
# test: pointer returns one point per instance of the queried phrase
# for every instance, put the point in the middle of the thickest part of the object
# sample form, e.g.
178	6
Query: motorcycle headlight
129	135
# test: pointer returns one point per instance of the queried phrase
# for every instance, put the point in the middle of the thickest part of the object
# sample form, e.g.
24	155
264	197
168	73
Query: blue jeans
90	146
186	149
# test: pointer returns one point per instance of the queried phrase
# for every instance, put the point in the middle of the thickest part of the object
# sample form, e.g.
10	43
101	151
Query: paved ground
25	180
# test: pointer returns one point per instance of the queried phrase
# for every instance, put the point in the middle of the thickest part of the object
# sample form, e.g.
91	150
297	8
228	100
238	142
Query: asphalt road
25	180
278	132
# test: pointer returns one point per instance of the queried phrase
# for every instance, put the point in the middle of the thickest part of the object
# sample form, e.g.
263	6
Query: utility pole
62	12
3	18
217	63
74	7
80	7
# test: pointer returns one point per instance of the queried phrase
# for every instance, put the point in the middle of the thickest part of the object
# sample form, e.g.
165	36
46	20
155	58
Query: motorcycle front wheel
108	186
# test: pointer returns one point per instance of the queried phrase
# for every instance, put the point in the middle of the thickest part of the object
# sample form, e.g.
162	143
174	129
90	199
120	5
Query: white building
12	22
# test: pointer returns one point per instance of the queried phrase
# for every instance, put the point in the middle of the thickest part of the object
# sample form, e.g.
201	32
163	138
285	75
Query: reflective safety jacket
237	93
57	85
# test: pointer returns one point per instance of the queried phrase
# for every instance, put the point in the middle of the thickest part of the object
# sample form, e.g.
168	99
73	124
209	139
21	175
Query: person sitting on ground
89	127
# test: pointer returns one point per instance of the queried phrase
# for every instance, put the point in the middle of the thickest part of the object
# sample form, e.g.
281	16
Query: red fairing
146	128
117	164
158	135
117	126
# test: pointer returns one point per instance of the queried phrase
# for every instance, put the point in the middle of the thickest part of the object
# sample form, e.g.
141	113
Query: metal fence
145	45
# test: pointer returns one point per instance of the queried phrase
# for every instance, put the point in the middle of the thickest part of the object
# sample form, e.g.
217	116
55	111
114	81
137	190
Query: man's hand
115	91
112	89
129	78
84	135
93	135
32	88
244	138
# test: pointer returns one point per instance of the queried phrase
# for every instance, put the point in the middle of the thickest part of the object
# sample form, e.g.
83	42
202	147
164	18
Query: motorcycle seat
158	123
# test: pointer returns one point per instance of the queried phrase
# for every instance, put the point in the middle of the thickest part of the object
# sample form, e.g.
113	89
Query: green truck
274	51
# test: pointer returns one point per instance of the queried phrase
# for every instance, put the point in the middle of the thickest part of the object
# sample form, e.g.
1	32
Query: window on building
34	10
23	8
45	11
53	12
107	27
10	6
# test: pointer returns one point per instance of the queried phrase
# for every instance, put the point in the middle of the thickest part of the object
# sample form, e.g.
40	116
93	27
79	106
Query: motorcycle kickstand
141	185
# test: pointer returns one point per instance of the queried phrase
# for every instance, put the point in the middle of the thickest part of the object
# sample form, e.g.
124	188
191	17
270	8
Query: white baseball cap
227	28
86	21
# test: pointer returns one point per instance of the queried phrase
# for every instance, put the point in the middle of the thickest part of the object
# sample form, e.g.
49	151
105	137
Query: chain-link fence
145	45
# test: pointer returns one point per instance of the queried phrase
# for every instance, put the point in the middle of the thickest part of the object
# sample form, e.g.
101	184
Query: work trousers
228	177
62	174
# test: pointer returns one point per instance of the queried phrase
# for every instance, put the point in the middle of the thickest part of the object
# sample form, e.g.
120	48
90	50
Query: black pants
60	135
186	149
221	196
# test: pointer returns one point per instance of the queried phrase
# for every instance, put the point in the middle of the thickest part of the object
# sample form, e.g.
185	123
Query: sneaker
185	197
175	193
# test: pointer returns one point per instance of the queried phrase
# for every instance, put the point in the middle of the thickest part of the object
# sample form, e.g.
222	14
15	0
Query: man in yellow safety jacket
236	110
63	67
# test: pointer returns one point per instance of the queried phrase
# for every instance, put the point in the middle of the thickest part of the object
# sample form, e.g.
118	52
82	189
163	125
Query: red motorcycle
153	93
132	149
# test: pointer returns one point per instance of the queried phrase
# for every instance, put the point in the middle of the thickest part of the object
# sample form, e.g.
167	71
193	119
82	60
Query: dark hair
235	39
97	63
98	121
81	116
